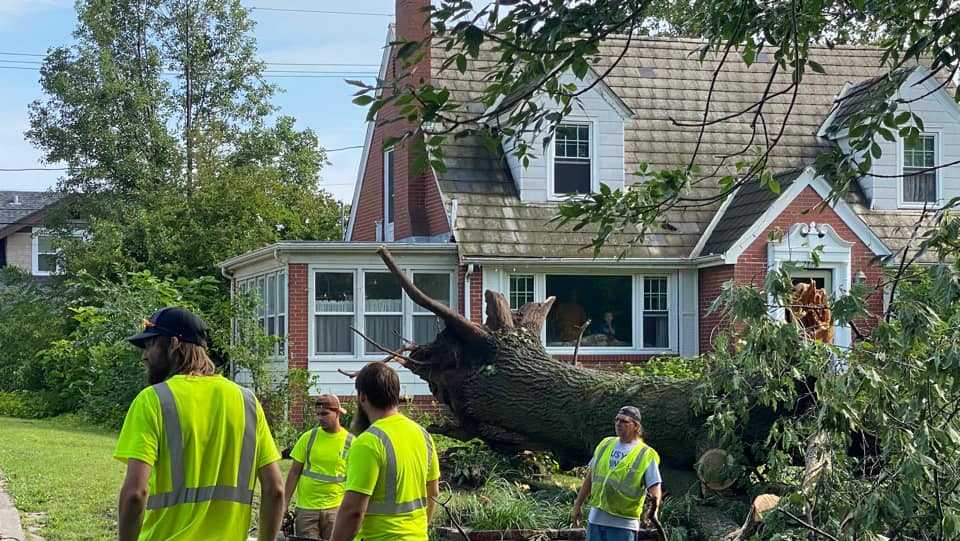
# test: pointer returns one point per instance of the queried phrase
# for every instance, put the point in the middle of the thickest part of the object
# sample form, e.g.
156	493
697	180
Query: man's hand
576	515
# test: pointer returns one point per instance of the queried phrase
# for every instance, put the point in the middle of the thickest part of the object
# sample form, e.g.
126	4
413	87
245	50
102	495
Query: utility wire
266	62
322	12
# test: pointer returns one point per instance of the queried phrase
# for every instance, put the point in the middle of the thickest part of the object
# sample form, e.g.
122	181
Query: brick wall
418	207
297	327
751	267
476	292
710	280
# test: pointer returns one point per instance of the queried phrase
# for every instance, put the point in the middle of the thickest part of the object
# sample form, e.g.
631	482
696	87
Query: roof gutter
279	249
610	262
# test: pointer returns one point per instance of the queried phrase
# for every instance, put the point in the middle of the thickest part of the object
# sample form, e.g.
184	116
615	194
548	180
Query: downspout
233	322
467	290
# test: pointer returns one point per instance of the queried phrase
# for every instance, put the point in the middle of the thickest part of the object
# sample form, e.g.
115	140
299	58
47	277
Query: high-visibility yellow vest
412	496
321	484
620	490
180	493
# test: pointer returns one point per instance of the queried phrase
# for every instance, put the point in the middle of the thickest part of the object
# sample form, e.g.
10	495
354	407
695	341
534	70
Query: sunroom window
436	285
333	313
383	310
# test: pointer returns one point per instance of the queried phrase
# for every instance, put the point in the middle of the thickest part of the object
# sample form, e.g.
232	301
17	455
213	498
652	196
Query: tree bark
503	387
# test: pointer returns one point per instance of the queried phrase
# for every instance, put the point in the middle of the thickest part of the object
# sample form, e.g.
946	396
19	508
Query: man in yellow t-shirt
392	472
194	444
318	471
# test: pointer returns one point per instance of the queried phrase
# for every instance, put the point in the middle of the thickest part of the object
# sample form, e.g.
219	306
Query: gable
734	235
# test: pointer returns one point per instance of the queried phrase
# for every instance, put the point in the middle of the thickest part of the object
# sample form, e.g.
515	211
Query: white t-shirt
650	477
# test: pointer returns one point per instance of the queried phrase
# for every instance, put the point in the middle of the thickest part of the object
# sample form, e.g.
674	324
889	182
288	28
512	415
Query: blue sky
322	104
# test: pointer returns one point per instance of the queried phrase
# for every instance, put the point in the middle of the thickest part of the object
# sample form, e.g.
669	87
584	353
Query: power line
21	54
22	169
323	12
342	148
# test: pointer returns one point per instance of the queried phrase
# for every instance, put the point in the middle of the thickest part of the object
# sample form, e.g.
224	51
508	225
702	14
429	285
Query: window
271	310
656	318
333	313
521	290
571	167
389	193
45	254
383	310
919	186
603	303
436	285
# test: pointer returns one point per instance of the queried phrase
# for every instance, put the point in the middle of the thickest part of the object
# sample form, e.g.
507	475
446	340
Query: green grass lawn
62	468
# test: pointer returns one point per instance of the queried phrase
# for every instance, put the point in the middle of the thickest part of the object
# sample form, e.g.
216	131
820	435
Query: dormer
587	149
905	176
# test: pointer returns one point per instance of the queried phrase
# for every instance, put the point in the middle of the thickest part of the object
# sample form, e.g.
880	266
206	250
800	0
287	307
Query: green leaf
815	66
461	63
363	100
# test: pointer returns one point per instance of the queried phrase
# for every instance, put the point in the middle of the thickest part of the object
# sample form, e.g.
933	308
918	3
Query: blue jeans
596	532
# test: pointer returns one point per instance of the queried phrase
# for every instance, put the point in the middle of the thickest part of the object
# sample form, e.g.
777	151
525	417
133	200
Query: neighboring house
483	223
23	242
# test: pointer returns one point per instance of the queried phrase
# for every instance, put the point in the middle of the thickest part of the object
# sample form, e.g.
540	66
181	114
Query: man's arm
133	500
271	501
433	490
293	477
576	514
350	516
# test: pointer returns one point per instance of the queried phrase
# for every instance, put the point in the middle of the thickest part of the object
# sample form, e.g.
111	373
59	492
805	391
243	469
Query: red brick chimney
413	24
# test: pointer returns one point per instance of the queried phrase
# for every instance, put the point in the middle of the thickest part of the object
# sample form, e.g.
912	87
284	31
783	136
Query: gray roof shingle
664	83
15	206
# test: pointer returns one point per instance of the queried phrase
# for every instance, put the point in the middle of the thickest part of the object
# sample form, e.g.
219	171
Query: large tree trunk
512	394
502	386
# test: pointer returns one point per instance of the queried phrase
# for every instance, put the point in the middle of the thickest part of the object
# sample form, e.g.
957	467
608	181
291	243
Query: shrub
501	504
471	464
670	367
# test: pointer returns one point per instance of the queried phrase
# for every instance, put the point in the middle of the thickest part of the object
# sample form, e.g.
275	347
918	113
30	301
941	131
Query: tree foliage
162	115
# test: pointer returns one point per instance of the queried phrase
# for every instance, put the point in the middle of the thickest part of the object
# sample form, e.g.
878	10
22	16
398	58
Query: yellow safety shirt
324	459
206	438
392	462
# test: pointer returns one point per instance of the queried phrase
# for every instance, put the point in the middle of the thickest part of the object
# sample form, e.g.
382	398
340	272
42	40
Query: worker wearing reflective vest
194	444
318	471
621	473
392	472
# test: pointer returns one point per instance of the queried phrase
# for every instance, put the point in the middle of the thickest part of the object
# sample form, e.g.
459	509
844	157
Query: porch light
860	277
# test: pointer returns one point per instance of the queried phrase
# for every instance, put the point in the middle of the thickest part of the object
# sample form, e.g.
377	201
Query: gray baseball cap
632	412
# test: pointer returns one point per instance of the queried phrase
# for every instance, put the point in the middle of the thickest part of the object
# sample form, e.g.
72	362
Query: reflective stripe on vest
623	493
319	476
389	505
180	494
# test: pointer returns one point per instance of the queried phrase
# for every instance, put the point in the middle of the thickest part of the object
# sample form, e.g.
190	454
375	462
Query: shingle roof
28	203
747	205
662	81
864	92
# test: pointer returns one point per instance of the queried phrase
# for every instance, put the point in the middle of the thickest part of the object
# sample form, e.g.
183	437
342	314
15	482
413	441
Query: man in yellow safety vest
318	471
194	444
392	472
621	473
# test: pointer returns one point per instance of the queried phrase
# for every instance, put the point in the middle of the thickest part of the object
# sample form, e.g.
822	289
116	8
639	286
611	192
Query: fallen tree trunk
503	387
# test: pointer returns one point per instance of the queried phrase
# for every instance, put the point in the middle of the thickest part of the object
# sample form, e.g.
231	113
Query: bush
471	464
501	504
671	367
31	319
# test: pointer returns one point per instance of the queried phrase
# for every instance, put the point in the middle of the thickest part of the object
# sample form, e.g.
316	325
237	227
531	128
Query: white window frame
402	313
359	314
637	276
937	134
594	133
35	235
253	282
388	226
411	307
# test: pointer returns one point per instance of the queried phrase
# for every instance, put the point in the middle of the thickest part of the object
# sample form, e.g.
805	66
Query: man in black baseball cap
181	439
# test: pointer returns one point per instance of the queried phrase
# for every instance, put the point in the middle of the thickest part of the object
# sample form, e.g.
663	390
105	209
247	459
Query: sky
30	27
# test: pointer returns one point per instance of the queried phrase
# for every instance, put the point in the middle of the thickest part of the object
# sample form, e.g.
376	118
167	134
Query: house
23	242
483	223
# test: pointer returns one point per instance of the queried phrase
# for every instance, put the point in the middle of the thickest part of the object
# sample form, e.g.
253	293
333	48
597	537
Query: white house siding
20	251
533	182
940	116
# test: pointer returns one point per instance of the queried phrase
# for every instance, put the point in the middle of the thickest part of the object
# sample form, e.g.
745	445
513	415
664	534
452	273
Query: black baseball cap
170	322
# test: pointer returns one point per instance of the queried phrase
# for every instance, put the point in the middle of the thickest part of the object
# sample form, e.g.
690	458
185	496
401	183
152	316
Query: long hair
187	359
